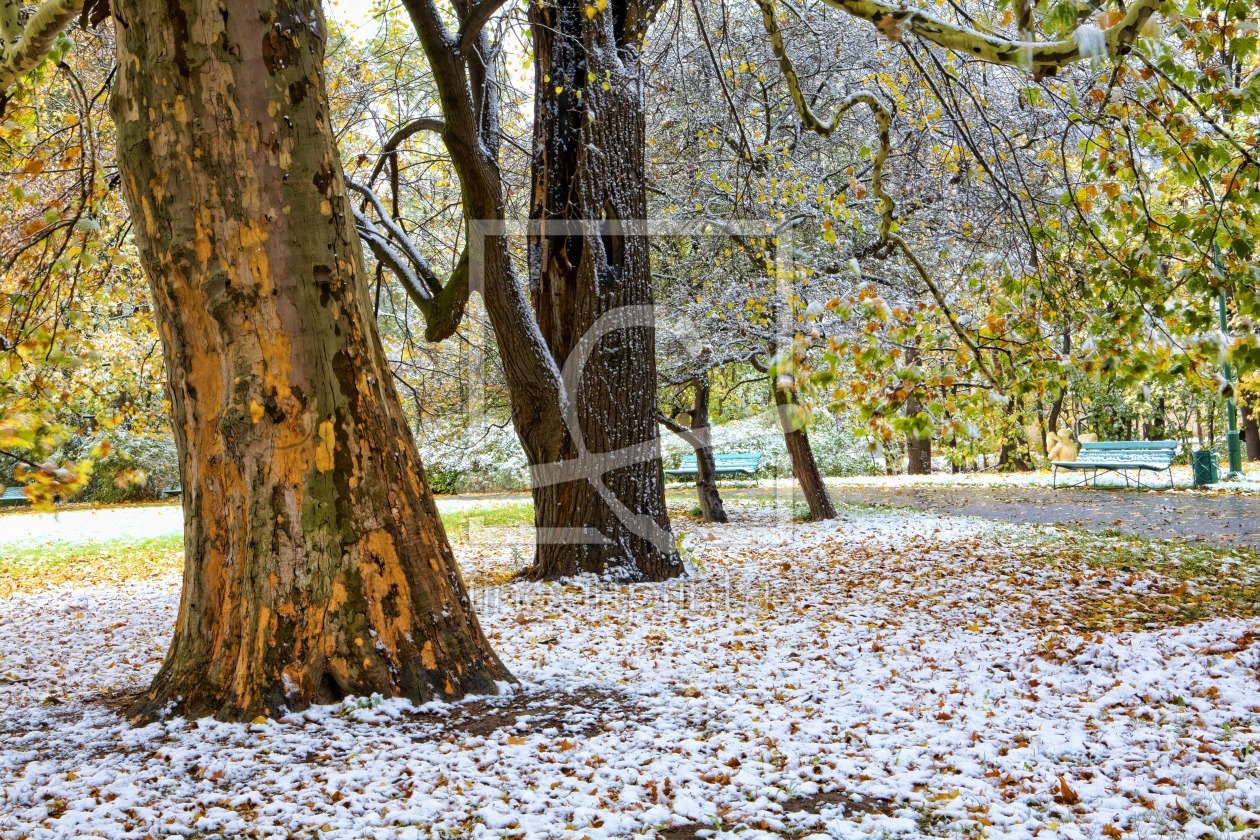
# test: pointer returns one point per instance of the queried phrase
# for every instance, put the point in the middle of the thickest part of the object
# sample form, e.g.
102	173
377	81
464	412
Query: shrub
137	468
472	459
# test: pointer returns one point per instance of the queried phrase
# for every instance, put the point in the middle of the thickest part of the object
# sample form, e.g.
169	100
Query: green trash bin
1205	466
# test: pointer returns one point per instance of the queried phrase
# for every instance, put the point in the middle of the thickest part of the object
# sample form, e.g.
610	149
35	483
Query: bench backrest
738	461
727	461
1130	451
13	494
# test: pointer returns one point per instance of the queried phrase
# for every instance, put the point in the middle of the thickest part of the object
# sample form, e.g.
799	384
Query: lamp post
1233	439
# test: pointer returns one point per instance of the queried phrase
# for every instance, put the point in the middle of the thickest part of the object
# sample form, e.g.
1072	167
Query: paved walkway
1228	519
137	522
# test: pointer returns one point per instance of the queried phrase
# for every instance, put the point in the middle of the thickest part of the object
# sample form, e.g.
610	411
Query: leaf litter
881	676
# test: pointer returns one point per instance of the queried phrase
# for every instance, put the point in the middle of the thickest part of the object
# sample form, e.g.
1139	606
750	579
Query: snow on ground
902	676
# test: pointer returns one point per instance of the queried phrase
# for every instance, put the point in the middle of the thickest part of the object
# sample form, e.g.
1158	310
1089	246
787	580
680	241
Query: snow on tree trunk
315	562
592	261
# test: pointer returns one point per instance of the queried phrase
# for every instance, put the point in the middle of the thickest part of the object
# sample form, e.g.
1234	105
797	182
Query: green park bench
14	496
1120	457
742	464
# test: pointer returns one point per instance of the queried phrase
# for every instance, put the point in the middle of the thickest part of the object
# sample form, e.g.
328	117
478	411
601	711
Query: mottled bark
804	465
315	562
24	44
589	261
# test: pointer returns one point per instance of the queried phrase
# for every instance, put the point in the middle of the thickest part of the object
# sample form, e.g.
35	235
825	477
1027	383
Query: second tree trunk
601	507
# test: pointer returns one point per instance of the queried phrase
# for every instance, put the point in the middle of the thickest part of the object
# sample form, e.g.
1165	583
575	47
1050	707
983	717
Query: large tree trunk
315	562
804	466
612	523
919	456
602	509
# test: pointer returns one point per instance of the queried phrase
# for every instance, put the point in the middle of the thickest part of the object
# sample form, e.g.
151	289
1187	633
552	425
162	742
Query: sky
349	12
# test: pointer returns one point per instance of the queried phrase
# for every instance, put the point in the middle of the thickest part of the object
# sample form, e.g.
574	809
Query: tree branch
400	136
680	430
36	37
478	16
1084	42
442	304
1194	103
884	118
10	24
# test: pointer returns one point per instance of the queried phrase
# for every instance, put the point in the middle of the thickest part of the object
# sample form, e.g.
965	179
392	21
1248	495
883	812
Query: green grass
96	562
499	516
1225	582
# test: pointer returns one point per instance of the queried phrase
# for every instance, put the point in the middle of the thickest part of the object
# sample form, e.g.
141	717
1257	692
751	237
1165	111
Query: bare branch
400	136
442	304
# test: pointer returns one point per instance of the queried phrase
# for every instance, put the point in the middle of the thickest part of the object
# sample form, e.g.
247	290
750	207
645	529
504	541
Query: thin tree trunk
1251	428
1052	422
804	465
706	467
918	450
592	293
1056	410
315	562
711	508
1011	457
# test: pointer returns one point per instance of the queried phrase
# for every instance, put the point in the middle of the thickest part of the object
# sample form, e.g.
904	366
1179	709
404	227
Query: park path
1225	518
140	522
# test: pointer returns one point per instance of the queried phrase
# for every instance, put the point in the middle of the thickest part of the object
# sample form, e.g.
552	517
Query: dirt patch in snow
579	713
833	804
